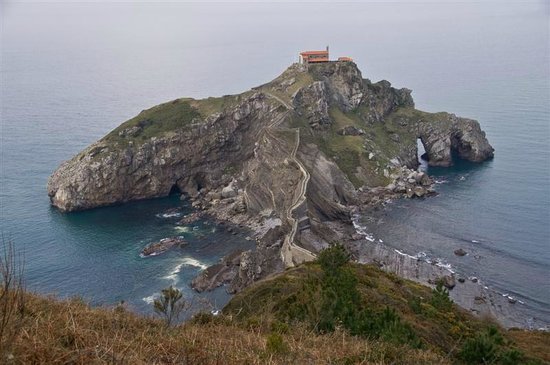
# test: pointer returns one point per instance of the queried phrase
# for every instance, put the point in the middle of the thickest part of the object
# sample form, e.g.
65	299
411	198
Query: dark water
72	72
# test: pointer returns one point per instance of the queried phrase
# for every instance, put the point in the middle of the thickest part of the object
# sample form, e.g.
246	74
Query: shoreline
469	292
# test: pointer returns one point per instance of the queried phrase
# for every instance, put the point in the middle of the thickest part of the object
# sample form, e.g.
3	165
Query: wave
422	256
169	215
362	230
183	229
150	299
193	262
187	261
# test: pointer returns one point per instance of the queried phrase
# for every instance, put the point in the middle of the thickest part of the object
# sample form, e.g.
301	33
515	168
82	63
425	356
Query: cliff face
287	155
122	166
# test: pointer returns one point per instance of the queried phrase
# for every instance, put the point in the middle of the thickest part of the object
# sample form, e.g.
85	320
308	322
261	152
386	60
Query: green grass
157	121
370	303
169	117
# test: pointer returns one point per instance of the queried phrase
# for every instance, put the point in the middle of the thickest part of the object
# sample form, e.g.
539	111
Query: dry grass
535	343
69	331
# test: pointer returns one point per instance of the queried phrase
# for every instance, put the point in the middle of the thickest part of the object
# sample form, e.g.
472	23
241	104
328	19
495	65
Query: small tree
440	297
170	304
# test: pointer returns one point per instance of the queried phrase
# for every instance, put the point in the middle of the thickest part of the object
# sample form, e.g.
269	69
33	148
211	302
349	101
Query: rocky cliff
287	158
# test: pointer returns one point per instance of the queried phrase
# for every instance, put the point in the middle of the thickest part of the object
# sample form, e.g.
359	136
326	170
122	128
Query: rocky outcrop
162	246
450	134
185	159
312	102
382	99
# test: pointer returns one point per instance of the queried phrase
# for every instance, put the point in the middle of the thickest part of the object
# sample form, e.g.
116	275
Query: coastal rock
162	246
448	281
460	252
449	133
113	171
190	218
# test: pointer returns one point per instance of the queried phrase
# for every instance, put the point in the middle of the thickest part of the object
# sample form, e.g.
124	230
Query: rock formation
285	158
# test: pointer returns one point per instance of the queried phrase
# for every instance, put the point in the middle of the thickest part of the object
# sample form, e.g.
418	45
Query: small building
345	59
314	56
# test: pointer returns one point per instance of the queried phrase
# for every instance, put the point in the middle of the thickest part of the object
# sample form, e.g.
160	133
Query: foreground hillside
327	312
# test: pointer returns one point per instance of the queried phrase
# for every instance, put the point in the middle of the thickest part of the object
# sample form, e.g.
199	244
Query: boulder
460	252
228	192
350	131
448	281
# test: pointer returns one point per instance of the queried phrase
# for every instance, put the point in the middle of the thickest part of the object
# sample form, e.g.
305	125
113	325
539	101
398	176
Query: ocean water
70	73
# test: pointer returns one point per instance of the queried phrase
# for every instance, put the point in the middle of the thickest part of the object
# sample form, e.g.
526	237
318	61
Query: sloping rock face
188	159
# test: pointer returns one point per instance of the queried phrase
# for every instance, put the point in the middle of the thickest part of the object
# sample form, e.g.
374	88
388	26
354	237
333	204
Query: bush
341	304
275	344
440	298
170	304
487	348
333	259
202	318
279	327
416	305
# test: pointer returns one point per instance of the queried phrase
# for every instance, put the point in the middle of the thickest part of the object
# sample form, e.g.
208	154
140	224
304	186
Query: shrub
440	298
202	318
170	304
275	344
279	327
485	348
333	259
416	305
341	304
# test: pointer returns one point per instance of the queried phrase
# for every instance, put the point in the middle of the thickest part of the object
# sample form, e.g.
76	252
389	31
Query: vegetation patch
156	121
333	294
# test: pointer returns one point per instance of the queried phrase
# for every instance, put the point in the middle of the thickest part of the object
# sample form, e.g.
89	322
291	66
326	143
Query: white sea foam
404	254
150	299
187	261
362	230
173	275
183	229
445	266
168	215
475	241
153	254
193	262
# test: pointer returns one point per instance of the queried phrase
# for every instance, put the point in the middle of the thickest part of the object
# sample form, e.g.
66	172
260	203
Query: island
293	160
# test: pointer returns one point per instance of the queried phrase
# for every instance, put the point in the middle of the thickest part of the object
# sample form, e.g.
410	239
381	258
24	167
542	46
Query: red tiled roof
305	53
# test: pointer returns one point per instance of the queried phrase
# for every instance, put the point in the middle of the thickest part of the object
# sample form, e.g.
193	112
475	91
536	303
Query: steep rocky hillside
290	159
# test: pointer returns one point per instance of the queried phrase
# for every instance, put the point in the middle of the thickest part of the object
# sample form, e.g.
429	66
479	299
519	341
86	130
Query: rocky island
292	159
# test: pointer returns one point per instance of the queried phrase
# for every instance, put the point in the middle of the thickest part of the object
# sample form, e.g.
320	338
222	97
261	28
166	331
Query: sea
73	71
